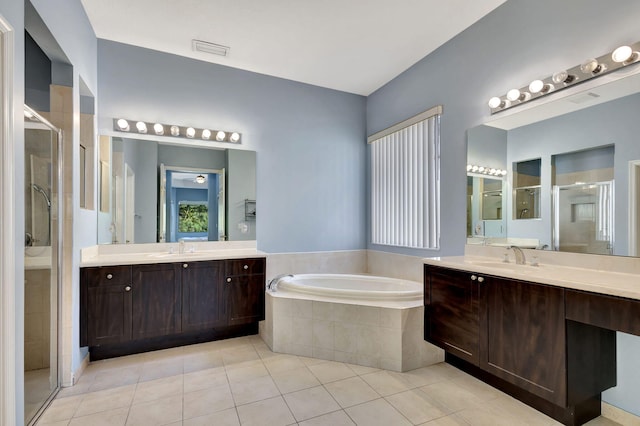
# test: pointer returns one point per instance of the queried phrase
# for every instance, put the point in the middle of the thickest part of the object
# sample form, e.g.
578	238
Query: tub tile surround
335	262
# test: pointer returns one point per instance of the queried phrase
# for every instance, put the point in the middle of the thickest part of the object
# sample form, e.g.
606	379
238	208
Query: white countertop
136	254
592	280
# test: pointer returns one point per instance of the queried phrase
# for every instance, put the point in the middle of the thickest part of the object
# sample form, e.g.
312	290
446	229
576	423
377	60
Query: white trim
634	199
8	409
618	415
436	110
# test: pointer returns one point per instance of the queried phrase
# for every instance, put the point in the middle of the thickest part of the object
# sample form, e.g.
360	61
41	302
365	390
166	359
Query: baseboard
619	416
78	373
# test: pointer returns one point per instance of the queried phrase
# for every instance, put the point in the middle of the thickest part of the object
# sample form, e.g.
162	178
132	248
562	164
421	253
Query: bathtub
359	319
359	287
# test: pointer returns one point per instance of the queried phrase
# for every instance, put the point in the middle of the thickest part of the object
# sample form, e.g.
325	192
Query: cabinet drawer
244	266
108	275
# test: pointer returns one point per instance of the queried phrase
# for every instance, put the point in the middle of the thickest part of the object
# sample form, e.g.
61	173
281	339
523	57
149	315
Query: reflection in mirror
526	184
157	192
587	146
486	204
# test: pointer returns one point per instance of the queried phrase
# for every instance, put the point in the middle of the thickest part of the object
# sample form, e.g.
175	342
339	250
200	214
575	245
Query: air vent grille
211	48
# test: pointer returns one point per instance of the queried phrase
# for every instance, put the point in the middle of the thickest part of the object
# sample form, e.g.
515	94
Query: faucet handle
535	261
506	257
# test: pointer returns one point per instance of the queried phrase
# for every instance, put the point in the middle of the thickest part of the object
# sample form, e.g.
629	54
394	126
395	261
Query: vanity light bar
482	170
159	129
594	67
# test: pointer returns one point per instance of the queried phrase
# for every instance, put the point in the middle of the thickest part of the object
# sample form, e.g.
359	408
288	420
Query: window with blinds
405	183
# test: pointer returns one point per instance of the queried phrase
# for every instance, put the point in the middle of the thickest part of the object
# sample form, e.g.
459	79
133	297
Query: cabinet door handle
245	267
473	278
109	276
185	265
127	288
480	279
229	279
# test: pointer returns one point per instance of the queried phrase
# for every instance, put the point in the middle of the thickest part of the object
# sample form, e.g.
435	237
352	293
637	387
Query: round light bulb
622	54
141	126
469	167
536	86
158	128
591	66
175	131
494	102
220	136
474	169
206	134
503	172
191	132
481	169
123	124
235	137
513	95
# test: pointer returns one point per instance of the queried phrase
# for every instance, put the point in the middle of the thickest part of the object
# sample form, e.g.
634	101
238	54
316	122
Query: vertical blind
405	183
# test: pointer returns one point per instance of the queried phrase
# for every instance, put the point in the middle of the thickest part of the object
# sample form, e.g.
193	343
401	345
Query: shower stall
42	271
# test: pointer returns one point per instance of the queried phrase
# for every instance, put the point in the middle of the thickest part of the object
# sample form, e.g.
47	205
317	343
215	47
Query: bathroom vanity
178	299
544	334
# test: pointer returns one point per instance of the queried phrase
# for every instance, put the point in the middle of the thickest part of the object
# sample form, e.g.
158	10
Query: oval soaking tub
344	286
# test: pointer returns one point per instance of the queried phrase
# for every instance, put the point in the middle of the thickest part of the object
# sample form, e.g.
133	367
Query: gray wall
310	140
520	41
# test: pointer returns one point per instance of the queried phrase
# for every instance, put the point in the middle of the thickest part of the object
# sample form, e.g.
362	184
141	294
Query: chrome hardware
480	279
127	288
245	267
109	276
185	265
520	257
273	284
473	278
228	280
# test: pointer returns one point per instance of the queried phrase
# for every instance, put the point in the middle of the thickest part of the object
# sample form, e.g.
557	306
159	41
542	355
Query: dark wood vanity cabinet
202	295
106	294
523	335
452	311
244	290
132	308
156	300
550	347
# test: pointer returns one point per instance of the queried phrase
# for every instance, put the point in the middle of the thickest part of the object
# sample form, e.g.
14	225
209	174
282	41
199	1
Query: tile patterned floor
241	382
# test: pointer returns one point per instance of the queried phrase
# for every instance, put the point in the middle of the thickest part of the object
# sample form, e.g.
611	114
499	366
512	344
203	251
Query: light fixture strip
159	129
474	169
562	79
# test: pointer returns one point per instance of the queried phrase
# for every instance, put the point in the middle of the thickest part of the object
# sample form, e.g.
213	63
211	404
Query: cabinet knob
185	265
473	278
127	288
245	267
480	279
229	280
109	276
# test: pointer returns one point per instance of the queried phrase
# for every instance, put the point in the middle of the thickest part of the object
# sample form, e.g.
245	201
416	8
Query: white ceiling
351	45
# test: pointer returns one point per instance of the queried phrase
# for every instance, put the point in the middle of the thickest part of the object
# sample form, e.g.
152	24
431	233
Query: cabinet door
156	300
202	295
108	314
452	312
524	336
245	298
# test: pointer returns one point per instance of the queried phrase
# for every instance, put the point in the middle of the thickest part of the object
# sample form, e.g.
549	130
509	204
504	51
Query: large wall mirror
573	172
152	191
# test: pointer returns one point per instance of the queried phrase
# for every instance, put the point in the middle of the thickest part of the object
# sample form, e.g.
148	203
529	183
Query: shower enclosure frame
56	211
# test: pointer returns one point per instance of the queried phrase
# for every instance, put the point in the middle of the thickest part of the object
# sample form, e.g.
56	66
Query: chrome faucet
519	254
273	284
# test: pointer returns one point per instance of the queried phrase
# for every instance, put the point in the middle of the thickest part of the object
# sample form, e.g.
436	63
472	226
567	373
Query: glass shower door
583	218
41	295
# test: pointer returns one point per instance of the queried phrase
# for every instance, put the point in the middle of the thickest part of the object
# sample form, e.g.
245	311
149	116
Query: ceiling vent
583	97
212	48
